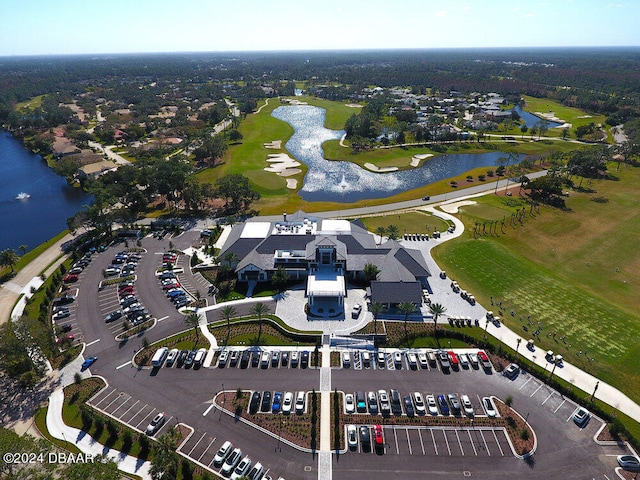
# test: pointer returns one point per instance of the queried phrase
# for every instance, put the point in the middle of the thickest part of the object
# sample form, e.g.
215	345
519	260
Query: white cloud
441	13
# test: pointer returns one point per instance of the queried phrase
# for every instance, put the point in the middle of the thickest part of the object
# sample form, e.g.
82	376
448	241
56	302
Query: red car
123	292
377	434
484	360
70	278
453	358
70	337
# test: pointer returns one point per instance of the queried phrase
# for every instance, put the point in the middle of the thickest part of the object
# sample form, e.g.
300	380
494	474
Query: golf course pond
339	181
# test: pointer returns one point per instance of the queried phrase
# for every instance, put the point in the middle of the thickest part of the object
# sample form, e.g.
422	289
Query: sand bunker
293	101
375	168
274	144
415	160
292	183
548	116
453	207
353	105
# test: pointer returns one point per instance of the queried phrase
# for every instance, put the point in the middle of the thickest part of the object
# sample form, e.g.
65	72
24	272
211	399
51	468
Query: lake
347	182
532	120
46	201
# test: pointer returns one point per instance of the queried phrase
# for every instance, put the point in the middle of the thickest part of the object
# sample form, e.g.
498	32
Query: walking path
324	456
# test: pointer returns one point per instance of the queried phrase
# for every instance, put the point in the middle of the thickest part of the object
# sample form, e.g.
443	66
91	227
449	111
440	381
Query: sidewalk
85	443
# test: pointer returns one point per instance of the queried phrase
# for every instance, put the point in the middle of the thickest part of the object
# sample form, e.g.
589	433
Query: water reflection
347	182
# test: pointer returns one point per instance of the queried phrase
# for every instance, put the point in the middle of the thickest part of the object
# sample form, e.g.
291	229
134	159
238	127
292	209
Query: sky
54	27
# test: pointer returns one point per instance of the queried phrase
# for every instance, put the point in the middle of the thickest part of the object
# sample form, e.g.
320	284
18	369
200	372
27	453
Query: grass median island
410	222
577	272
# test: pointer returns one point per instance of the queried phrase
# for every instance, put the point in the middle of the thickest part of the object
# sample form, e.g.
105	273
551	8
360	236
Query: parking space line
435	445
536	390
166	424
396	437
137	401
459	442
497	442
193	448
545	400
408	441
421	443
444	434
206	449
105	397
571	416
147	416
123	365
95	341
556	410
117	397
484	440
138	412
473	445
120	406
522	386
208	410
163	318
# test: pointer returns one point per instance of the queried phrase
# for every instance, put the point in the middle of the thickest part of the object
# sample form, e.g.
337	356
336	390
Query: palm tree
406	308
259	309
393	232
23	248
376	309
193	320
381	231
227	312
9	257
436	309
371	272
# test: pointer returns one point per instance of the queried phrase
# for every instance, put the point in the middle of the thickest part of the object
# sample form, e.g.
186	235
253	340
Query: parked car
242	469
466	404
256	472
397	359
275	358
70	278
385	404
396	407
372	402
115	315
464	360
487	404
455	403
349	404
365	437
511	371
255	358
64	300
346	359
61	314
443	358
484	360
422	359
352	437
172	356
244	359
223	452
155	424
418	400
408	406
443	405
300	400
230	462
355	312
254	404
182	356
287	403
432	405
222	359
413	360
188	362
629	462
581	417
233	358
294	359
304	359
453	358
265	406
284	359
473	359
65	328
379	438
66	338
361	402
277	402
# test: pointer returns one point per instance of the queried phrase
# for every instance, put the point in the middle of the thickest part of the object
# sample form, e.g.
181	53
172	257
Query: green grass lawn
574	116
412	222
576	271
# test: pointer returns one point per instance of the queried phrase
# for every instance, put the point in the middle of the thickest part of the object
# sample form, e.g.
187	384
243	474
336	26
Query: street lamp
486	325
518	345
594	390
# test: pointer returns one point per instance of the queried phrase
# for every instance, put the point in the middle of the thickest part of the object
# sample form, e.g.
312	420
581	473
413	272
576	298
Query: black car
265	406
284	360
244	359
113	316
255	402
64	300
304	359
127	302
182	356
396	407
255	358
66	328
188	362
365	437
408	406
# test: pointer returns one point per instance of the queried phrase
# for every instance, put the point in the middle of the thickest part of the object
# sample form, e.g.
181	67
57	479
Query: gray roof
396	292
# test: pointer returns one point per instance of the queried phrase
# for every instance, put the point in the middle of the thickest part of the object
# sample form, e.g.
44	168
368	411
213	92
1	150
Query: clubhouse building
326	254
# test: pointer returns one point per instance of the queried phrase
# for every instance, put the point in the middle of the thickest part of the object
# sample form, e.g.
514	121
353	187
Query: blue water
347	182
531	120
43	215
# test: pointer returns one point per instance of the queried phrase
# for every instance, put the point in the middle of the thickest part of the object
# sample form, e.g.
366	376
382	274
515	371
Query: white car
156	424
422	358
366	359
352	437
397	359
418	400
385	404
265	359
287	402
432	405
230	463
488	407
222	453
473	358
629	462
464	360
295	357
242	469
172	356
466	404
413	360
357	308
300	398
346	359
224	356
381	359
256	472
349	404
